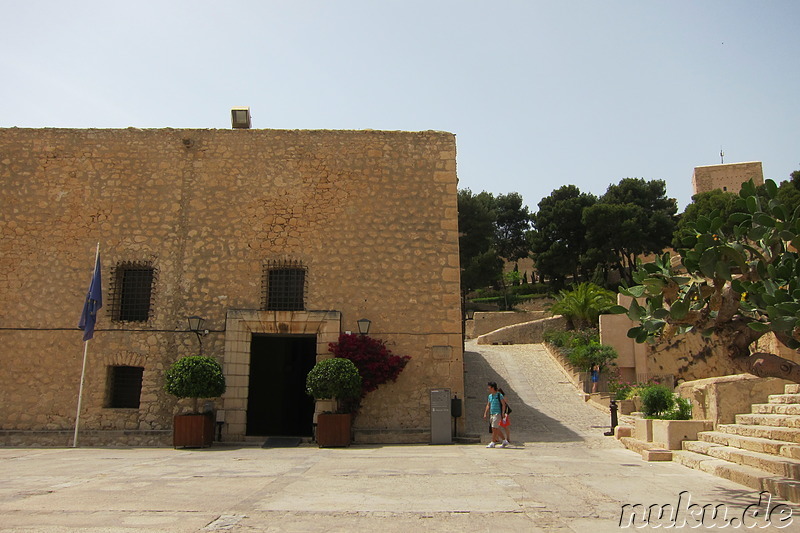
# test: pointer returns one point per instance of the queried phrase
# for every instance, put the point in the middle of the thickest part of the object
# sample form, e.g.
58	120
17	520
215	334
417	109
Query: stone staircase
761	450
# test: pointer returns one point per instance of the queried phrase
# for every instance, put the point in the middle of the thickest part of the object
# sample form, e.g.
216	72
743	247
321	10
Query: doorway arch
240	327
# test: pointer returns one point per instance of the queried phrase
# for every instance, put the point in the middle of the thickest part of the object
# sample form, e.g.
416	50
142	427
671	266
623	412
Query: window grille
284	286
125	386
132	292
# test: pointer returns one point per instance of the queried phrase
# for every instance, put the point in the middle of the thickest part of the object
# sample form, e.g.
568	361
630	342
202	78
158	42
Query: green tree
508	280
583	305
789	192
558	239
481	271
703	204
480	264
513	221
586	356
795	179
476	221
491	229
632	218
733	288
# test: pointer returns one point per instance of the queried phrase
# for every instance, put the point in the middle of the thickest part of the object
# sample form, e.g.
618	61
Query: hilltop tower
728	178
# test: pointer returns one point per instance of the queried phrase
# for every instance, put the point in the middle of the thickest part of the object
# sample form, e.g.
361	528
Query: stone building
281	240
727	178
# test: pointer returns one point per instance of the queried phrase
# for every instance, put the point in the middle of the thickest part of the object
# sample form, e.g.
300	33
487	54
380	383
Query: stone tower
728	178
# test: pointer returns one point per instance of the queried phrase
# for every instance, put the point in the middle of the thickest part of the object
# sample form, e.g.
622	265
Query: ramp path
546	406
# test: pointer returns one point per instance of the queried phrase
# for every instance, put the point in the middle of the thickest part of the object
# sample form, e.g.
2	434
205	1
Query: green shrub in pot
334	379
195	376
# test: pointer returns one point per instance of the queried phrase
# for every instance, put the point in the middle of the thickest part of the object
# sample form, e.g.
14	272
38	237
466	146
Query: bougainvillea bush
375	362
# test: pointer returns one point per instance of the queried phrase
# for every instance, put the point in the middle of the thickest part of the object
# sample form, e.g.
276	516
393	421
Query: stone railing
484	322
526	333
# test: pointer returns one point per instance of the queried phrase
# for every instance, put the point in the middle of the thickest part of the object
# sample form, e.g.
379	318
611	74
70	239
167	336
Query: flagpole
83	370
80	394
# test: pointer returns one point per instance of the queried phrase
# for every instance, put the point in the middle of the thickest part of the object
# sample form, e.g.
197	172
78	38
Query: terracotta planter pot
333	429
192	431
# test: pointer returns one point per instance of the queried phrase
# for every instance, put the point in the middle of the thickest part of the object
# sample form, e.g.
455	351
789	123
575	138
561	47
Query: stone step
744	475
638	446
792	388
775	409
772	464
781	421
762	432
753	444
784	398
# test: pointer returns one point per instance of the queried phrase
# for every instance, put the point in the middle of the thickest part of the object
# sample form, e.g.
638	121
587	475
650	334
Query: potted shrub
670	417
334	379
195	377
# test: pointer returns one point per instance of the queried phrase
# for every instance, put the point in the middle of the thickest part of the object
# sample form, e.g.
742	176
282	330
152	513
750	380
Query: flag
93	303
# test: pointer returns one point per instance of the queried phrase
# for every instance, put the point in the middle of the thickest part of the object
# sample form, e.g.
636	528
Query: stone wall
720	399
372	215
64	438
727	178
485	322
691	356
687	357
526	333
631	355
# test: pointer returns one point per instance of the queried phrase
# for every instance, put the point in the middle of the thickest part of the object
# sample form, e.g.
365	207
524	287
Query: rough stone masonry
369	216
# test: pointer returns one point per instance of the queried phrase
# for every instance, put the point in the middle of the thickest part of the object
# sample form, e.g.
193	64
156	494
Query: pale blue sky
539	94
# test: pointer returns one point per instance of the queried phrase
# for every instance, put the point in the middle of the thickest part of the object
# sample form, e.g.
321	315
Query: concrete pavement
563	476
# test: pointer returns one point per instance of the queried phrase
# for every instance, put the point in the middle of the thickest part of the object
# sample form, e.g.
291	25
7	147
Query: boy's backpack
508	406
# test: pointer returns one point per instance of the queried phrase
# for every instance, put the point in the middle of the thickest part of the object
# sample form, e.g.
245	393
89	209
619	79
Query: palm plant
583	304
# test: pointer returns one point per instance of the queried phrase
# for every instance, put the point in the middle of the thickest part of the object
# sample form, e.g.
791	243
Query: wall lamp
196	325
363	326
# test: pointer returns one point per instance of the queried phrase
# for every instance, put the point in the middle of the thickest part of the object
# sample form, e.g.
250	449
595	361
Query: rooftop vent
240	118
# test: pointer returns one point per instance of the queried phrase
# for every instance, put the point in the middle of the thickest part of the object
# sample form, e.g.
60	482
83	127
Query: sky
539	94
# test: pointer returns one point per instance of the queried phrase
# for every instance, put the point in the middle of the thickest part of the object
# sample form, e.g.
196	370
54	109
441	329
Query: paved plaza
561	475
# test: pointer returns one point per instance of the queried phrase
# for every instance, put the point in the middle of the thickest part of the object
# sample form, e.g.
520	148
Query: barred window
284	286
124	386
132	291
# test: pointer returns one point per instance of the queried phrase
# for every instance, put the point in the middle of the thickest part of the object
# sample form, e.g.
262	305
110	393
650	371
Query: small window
285	287
132	291
124	386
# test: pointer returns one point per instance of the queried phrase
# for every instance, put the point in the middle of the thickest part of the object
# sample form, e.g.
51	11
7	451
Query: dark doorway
277	403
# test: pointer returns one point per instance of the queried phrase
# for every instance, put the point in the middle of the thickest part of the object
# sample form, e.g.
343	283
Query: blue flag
94	301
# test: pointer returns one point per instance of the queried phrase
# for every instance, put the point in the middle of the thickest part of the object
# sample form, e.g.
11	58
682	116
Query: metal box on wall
440	417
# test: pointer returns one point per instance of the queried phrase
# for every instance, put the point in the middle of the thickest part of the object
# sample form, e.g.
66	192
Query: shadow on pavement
528	424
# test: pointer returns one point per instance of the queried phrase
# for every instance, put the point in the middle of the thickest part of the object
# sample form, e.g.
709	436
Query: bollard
614	422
